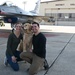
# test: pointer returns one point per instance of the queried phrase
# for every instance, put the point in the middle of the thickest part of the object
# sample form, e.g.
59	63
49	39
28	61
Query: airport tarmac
60	53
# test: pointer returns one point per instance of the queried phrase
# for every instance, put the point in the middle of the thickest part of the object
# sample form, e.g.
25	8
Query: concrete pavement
60	54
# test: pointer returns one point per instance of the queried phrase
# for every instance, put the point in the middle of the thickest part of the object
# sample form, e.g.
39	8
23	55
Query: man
37	57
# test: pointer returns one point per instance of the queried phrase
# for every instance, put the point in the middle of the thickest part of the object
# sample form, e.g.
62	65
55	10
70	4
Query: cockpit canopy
8	3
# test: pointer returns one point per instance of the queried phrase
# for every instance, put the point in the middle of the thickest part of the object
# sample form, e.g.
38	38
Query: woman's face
18	27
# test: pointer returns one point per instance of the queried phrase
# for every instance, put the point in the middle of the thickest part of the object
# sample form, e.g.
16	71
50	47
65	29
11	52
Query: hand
14	59
31	50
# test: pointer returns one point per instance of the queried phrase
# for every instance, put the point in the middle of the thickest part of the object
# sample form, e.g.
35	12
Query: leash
58	55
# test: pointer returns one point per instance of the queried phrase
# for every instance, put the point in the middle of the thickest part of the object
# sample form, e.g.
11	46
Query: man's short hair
36	23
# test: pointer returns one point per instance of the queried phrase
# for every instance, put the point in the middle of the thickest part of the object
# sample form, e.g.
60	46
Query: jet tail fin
36	9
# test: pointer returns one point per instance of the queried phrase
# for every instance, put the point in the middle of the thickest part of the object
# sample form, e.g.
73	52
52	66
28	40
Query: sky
27	5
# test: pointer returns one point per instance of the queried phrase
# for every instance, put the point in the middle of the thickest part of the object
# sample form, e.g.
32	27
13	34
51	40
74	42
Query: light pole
24	4
57	17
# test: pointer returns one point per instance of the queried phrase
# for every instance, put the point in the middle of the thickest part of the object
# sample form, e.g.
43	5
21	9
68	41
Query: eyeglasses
18	26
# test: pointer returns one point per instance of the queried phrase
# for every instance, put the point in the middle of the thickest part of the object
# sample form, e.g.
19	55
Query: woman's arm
9	44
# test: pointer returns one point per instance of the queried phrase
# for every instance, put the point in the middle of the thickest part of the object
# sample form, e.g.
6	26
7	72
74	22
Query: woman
12	54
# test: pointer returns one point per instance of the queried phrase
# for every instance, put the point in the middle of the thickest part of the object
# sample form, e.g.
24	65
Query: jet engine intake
10	19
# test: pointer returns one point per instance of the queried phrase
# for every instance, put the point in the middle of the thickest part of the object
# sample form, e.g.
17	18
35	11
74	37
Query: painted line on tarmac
59	54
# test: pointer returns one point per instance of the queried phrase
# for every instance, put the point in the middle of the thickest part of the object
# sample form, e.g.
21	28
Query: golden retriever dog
26	44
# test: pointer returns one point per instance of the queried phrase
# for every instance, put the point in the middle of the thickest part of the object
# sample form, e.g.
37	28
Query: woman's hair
18	23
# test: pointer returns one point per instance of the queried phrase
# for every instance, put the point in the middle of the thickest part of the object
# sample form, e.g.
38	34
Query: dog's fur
26	44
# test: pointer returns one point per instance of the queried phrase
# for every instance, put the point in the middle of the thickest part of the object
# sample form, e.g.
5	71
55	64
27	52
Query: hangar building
59	10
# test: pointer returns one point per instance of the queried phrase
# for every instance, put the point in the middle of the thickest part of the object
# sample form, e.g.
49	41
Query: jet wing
34	17
28	17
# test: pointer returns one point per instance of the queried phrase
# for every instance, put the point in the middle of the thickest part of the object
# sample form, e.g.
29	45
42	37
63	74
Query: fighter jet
13	14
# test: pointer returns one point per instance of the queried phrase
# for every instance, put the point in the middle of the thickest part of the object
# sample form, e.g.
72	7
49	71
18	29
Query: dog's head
27	28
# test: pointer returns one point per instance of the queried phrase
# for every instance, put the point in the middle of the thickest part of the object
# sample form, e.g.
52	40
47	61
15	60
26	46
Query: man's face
35	28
